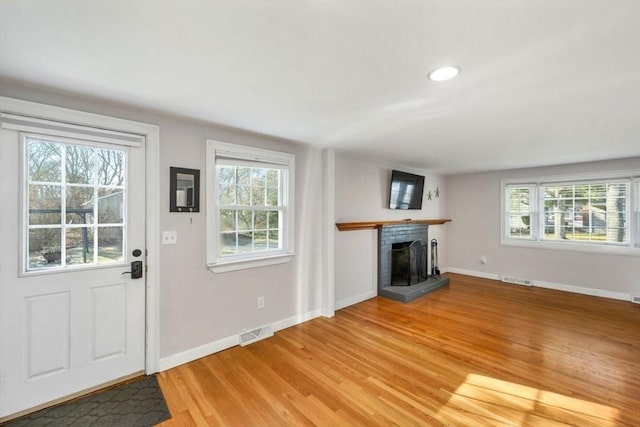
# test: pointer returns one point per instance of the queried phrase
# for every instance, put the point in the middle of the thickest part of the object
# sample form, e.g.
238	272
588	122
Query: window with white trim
520	204
594	213
249	206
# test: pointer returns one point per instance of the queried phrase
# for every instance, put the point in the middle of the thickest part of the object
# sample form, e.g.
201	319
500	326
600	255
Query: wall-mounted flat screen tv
406	190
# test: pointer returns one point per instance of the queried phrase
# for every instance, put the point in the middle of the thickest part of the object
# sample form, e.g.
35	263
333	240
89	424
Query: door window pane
80	168
111	167
110	244
79	245
110	206
44	162
79	205
45	204
67	185
44	249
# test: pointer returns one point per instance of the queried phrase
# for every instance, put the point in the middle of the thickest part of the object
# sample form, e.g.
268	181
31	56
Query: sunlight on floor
498	402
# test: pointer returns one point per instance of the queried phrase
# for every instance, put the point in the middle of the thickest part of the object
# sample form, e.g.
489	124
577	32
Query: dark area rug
139	403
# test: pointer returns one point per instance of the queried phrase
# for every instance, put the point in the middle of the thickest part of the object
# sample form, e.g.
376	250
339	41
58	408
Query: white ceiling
542	82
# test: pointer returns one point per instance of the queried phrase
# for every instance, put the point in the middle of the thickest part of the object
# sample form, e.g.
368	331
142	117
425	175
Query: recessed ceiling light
443	73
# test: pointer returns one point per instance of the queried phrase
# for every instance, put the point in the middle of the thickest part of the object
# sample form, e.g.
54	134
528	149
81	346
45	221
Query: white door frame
152	205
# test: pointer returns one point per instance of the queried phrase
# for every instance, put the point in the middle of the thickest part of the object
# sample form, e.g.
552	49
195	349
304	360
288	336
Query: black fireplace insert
409	262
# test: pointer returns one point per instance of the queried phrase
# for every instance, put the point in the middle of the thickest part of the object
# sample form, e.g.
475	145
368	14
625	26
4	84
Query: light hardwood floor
477	352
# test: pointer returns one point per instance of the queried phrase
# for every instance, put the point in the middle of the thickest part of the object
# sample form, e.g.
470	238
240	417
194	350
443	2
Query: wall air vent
249	337
635	299
515	280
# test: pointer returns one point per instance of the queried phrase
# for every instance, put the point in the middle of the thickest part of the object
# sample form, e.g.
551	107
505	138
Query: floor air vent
250	337
515	280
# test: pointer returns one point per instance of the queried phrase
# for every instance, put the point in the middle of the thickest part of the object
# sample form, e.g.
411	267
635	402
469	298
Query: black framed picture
184	190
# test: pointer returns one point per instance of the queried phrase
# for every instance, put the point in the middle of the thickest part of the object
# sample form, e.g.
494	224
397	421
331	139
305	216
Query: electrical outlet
260	303
483	259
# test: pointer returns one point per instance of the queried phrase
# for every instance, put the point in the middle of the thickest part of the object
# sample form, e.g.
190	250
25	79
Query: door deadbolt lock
136	270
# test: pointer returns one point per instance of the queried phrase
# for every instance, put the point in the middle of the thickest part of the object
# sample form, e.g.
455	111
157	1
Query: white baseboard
474	273
295	320
550	285
354	300
582	290
227	342
196	353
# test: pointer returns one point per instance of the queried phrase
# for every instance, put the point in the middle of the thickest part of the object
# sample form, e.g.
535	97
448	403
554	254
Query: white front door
73	221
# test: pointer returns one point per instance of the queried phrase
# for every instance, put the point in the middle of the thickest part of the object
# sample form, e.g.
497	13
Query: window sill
573	247
225	266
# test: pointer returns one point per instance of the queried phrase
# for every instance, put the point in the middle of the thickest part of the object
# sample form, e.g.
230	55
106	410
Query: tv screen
406	190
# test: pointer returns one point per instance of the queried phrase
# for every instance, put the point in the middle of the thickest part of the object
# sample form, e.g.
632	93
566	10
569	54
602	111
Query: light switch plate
169	237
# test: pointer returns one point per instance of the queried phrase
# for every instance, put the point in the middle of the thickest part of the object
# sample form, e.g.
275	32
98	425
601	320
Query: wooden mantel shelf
348	226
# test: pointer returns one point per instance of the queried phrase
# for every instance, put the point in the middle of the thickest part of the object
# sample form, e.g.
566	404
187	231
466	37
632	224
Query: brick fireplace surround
399	233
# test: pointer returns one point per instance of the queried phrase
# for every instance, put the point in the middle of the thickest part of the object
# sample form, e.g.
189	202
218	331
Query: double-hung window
249	206
594	213
519	210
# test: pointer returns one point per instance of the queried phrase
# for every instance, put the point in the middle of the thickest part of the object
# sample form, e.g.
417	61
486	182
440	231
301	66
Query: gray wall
474	204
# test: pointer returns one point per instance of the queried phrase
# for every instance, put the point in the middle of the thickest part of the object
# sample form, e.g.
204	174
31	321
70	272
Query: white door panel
108	321
46	335
65	330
